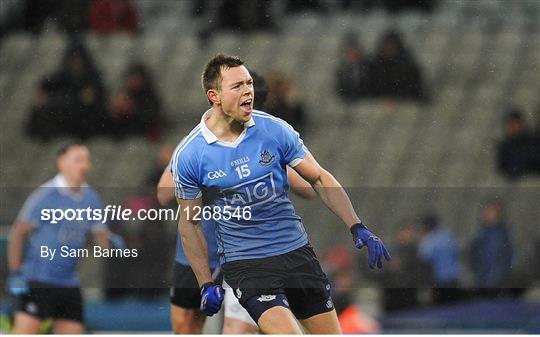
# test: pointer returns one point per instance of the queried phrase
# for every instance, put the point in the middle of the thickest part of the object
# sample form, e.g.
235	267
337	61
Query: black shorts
296	274
185	292
46	301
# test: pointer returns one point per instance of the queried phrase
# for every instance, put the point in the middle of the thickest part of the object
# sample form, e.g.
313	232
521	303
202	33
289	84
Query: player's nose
248	91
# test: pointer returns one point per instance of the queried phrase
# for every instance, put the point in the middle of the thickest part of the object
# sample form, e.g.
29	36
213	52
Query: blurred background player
271	266
491	250
49	287
439	249
185	293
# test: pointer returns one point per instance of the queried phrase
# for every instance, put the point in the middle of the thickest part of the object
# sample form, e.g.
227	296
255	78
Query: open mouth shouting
247	105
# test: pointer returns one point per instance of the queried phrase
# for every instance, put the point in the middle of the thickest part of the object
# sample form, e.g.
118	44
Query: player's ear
213	96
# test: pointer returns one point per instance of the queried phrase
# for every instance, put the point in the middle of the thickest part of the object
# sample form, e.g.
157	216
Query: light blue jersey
247	178
54	194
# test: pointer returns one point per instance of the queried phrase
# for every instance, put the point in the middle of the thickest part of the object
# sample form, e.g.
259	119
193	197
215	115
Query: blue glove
117	242
376	250
17	285
211	298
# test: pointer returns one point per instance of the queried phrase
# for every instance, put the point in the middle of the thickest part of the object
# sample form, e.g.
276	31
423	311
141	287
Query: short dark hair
211	76
63	149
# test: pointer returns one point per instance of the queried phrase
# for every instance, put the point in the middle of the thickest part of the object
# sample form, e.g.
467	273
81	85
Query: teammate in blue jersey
48	286
185	297
233	166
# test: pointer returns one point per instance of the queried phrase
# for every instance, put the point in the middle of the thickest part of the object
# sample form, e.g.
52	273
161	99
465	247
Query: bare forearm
335	198
102	238
194	245
15	250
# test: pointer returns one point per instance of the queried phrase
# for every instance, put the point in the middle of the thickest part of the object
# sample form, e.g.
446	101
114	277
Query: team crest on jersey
266	158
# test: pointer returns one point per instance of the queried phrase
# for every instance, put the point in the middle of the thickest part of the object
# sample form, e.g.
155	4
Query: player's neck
71	183
224	127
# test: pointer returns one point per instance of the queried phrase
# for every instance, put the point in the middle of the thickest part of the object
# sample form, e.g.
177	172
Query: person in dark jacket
71	99
515	153
136	109
354	73
406	272
491	250
396	73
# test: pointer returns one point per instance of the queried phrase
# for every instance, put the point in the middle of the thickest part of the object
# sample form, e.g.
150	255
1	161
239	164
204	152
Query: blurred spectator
396	73
282	100
439	248
337	263
536	144
491	251
405	273
516	152
73	98
72	15
353	75
241	16
44	121
246	15
136	109
35	13
110	16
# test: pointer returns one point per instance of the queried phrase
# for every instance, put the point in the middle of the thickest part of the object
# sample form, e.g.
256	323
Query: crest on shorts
266	298
329	303
32	308
267	158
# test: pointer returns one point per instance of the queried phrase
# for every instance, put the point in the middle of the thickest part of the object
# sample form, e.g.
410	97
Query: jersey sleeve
31	210
294	149
184	169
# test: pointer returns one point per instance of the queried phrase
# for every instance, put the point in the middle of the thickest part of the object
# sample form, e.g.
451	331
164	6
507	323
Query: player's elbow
164	195
327	179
